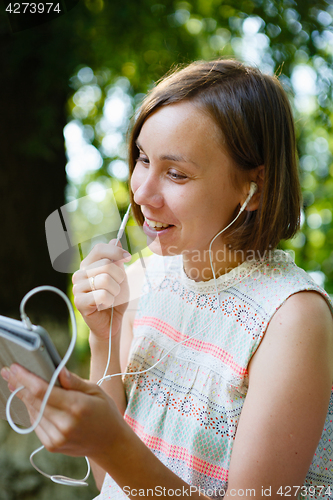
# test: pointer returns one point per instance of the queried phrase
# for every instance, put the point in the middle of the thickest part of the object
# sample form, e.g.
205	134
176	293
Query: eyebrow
175	158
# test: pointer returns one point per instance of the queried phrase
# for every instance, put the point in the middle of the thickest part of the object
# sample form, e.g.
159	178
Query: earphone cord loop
25	319
66	481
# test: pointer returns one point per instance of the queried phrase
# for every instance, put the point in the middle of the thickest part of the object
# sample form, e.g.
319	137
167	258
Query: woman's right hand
103	269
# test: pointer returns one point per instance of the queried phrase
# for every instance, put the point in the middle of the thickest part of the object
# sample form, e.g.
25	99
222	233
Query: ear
257	175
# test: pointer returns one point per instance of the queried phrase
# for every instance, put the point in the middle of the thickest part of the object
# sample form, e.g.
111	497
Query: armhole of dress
309	288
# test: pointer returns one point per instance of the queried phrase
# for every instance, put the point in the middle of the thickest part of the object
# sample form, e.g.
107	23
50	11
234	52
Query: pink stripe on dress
195	344
178	452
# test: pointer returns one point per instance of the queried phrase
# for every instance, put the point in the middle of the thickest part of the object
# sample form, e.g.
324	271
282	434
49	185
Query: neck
198	268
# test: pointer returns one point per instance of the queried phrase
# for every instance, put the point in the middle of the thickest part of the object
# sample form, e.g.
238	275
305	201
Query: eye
143	159
177	177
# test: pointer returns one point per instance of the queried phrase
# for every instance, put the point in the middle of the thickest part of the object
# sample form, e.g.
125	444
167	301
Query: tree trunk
32	167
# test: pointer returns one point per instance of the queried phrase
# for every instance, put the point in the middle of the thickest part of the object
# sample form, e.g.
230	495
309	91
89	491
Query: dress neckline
235	275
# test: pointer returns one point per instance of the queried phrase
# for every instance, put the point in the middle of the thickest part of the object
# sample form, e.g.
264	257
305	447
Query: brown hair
253	113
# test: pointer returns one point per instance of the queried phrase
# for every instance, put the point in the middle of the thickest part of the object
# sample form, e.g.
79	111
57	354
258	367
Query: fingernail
126	255
5	373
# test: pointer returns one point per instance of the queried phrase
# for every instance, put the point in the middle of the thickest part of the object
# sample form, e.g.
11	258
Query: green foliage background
78	69
135	43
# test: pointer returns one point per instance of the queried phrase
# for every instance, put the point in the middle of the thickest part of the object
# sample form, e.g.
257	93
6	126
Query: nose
146	191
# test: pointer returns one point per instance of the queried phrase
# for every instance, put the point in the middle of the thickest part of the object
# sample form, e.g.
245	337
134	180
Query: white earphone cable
105	377
57	479
82	482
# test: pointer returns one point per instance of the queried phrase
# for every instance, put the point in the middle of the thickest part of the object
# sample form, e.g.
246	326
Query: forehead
181	125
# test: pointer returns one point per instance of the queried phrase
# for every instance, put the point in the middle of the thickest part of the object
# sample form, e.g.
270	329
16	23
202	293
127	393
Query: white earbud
253	189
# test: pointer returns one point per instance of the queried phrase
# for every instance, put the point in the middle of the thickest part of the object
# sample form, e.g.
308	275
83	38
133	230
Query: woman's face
183	178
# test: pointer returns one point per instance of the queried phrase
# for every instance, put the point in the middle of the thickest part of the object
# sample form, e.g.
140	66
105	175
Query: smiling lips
158	226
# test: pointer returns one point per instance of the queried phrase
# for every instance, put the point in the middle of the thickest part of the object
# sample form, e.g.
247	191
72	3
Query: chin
162	250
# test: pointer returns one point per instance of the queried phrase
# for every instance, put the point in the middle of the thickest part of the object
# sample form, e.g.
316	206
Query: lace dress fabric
197	346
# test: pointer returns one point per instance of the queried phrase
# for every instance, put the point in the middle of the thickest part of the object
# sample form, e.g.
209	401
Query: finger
50	429
115	269
104	266
60	397
5	374
111	269
72	382
32	404
99	282
88	303
81	274
87	280
34	387
44	435
47	430
68	381
105	251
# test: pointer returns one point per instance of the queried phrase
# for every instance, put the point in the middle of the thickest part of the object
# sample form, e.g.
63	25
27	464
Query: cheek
135	180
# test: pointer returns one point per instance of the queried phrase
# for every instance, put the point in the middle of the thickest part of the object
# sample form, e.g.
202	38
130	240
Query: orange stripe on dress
178	452
195	344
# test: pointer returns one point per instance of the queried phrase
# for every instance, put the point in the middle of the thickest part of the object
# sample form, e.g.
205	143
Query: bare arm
290	380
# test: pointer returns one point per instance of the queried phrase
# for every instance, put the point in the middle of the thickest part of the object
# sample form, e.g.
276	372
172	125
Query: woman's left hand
77	417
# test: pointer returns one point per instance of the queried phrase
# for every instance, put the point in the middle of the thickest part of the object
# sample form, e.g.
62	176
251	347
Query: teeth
153	223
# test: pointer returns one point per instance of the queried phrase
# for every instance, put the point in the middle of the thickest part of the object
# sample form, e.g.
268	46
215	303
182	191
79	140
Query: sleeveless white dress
186	409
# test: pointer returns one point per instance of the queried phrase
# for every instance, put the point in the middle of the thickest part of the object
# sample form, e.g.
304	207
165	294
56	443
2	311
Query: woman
236	401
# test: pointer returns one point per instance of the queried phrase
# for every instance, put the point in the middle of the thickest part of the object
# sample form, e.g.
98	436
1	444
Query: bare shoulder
309	303
303	312
302	325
